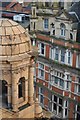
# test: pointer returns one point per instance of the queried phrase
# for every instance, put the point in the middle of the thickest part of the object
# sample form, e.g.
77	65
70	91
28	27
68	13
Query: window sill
42	54
55	85
77	93
40	78
46	29
67	90
62	37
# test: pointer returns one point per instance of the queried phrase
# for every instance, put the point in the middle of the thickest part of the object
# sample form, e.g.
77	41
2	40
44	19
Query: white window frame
64	108
68	85
77	61
56	74
40	95
77	89
41	70
61	55
40	48
67	56
52	53
57	104
55	52
76	111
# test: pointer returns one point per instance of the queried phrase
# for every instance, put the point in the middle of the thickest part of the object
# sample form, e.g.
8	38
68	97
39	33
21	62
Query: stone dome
14	40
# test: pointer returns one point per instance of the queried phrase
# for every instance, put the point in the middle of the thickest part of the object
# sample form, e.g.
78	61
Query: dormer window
63	29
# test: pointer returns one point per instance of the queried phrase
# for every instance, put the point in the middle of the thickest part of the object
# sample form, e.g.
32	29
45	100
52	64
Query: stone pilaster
26	90
9	96
31	85
38	109
14	93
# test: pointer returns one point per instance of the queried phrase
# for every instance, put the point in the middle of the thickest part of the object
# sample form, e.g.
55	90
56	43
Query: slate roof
78	33
69	16
75	8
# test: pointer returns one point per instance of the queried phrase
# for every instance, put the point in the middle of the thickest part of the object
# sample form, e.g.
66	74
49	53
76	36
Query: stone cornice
15	58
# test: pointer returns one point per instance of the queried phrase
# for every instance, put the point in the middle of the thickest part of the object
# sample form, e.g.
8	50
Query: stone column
31	85
14	93
9	96
26	90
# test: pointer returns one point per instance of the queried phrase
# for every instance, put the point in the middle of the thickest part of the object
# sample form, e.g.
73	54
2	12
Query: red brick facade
57	70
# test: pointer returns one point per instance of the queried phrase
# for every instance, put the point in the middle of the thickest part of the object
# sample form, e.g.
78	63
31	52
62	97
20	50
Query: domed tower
17	66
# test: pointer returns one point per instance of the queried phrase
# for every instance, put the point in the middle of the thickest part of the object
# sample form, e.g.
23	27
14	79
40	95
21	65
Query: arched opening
71	36
63	29
4	94
21	88
53	32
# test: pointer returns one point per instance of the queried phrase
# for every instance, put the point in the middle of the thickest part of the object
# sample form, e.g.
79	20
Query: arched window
71	36
4	93
63	29
21	87
53	32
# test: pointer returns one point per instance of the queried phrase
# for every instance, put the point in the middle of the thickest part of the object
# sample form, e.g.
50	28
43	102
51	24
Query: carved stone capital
5	72
16	71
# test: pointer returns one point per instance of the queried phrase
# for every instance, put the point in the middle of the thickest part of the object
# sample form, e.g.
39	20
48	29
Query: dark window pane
79	88
61	83
41	99
42	51
71	36
56	80
55	106
78	108
42	48
53	32
42	45
60	101
20	89
55	98
42	73
60	109
78	117
66	112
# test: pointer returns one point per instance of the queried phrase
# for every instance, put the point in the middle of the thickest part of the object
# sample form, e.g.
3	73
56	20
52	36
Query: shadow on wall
53	118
